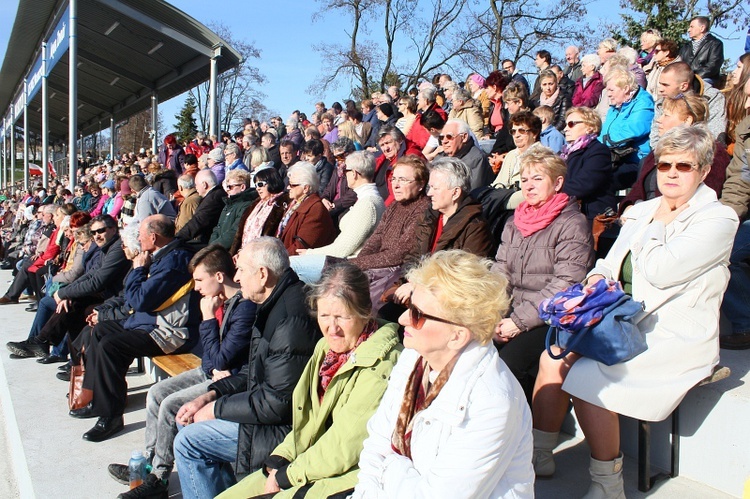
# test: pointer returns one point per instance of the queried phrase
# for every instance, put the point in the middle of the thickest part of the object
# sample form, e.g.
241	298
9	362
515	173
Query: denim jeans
163	401
736	304
203	452
308	267
45	310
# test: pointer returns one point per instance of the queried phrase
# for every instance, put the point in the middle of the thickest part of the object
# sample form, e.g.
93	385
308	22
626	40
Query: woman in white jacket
672	253
453	421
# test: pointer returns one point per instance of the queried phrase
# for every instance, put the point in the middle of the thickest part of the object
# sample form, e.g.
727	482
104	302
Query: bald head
155	232
205	180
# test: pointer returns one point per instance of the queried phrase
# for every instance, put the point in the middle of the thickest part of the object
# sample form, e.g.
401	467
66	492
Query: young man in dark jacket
164	319
227	320
244	417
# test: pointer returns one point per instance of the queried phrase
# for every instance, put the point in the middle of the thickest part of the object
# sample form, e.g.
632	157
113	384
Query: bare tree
515	29
238	92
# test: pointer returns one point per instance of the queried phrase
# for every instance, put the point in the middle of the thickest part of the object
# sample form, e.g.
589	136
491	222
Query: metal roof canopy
127	51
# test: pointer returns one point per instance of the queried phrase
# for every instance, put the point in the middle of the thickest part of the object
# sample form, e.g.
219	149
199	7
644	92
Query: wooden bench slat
176	364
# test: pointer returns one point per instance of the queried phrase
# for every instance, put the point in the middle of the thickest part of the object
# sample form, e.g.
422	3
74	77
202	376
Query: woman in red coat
307	223
589	87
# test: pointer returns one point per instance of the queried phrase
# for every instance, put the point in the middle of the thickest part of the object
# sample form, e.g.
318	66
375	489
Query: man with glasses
458	142
678	79
240	195
206	216
510	67
337	196
233	158
71	304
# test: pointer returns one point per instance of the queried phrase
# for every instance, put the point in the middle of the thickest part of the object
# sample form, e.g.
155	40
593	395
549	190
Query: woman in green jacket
339	390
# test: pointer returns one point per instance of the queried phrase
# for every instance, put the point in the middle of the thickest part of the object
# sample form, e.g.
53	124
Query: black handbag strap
576	339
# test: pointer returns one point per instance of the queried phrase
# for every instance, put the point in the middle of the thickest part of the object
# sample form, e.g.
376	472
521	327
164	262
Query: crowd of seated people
288	252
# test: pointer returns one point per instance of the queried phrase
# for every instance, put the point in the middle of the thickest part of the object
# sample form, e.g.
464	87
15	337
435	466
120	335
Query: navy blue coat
226	347
589	179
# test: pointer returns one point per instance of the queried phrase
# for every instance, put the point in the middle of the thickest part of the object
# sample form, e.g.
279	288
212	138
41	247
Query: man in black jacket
75	301
206	216
704	52
244	417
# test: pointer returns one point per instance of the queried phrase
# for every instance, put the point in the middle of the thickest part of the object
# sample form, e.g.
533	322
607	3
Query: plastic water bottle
137	468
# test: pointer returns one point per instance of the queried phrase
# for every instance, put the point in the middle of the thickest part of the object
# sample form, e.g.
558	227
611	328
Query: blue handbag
596	322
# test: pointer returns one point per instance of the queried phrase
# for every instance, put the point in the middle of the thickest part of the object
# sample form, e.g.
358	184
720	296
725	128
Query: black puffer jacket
260	396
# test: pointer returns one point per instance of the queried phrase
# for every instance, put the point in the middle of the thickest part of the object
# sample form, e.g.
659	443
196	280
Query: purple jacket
589	95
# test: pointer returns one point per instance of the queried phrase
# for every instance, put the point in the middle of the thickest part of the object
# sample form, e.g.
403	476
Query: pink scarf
549	101
257	219
530	220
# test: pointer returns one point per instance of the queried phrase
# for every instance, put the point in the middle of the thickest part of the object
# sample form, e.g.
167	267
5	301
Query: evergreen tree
669	17
186	127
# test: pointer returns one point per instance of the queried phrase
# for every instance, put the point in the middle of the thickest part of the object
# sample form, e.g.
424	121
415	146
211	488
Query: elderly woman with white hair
306	223
672	254
628	122
453	421
464	109
355	226
589	87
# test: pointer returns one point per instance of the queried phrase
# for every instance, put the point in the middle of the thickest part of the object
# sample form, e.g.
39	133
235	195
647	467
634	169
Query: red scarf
333	360
530	220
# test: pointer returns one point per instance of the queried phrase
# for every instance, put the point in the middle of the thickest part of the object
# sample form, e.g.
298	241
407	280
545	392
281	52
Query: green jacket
230	216
326	438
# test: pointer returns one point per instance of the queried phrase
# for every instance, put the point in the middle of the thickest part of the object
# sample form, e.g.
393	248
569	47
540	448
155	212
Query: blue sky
285	33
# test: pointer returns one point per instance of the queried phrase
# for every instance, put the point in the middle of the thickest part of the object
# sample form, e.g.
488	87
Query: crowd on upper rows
454	212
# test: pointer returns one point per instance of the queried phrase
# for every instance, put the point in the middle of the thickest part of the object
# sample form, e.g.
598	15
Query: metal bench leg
141	367
644	456
675	443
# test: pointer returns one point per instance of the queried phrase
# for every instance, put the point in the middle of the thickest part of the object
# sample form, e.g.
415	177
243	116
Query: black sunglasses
99	231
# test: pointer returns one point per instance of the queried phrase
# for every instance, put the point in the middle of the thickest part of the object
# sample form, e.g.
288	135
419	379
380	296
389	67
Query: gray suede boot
606	480
543	460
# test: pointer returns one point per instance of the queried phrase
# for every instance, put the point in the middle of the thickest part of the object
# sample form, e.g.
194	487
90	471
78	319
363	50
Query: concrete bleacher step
50	460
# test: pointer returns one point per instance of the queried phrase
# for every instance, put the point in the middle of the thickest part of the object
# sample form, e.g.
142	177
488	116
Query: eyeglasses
291	186
402	180
684	99
232	186
681	166
340	157
261	183
418	318
99	231
514	131
571	124
449	136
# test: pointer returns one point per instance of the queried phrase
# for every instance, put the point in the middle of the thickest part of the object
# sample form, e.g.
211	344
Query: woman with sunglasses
546	247
525	129
263	216
685	109
453	422
340	388
672	255
589	162
665	53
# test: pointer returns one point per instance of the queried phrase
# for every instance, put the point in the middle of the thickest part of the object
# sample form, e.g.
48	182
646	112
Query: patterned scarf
580	143
334	360
257	219
530	220
289	212
418	396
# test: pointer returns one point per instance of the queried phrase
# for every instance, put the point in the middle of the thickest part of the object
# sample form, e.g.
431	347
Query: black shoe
33	307
63	376
87	411
14	356
104	428
152	487
735	341
20	349
33	347
119	473
65	367
52	359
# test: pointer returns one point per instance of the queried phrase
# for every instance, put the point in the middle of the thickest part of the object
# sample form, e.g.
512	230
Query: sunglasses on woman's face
261	183
418	318
680	166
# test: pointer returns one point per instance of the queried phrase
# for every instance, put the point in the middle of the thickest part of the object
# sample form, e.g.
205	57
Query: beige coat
680	273
471	114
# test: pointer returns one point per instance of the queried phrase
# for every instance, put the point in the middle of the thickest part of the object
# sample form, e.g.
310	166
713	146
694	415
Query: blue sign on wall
35	78
58	42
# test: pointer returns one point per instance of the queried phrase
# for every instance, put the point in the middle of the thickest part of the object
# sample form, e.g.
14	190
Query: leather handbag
78	396
598	322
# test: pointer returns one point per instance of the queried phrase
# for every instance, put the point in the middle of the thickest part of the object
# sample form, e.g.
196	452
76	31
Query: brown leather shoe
6	301
735	341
